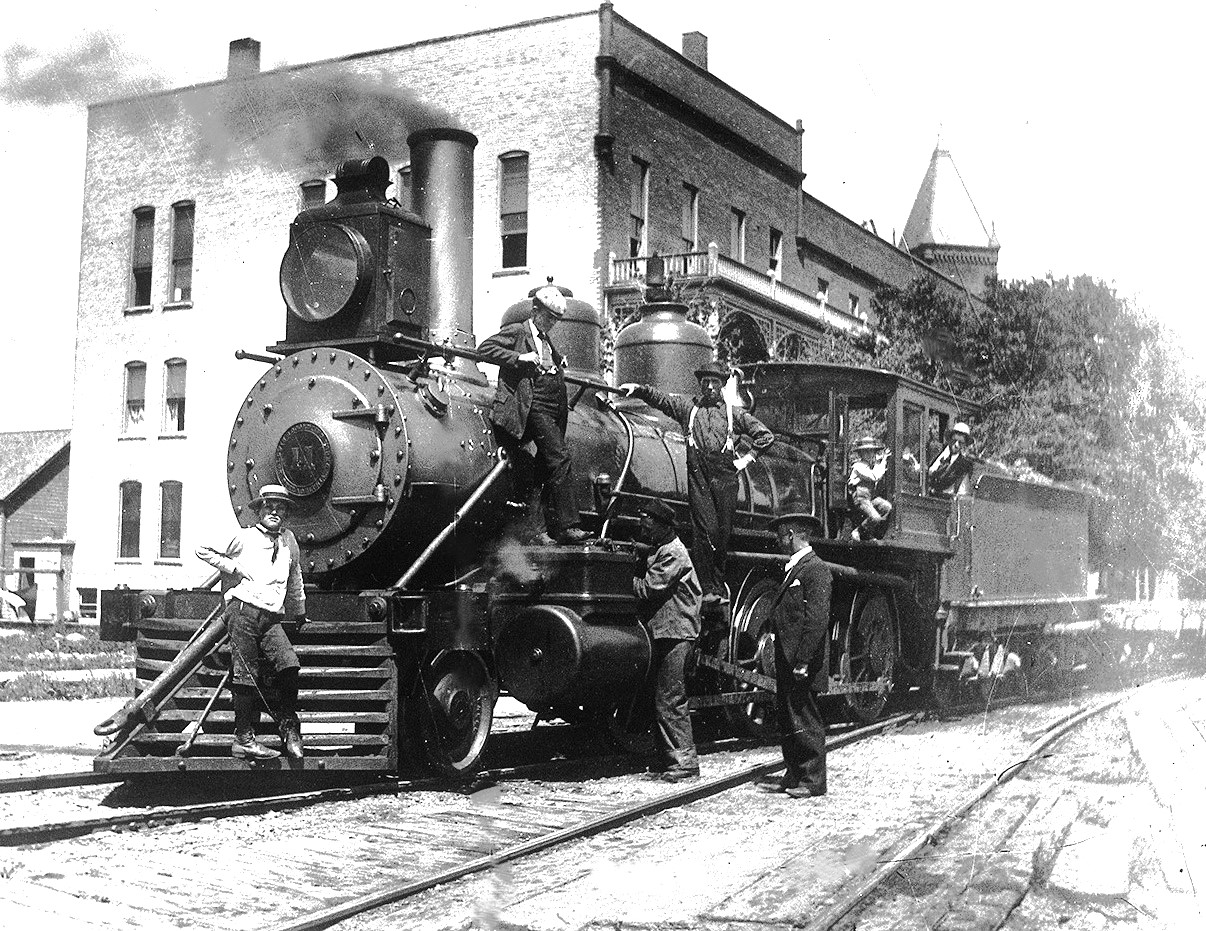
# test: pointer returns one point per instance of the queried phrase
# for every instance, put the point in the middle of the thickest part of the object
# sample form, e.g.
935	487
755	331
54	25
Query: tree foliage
1080	383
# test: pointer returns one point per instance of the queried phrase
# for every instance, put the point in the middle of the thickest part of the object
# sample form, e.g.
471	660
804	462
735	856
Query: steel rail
58	781
324	918
929	835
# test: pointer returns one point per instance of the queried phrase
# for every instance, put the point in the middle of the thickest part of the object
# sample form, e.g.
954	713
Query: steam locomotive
424	604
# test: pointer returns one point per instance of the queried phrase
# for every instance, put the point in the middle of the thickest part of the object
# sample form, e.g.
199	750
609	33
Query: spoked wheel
753	649
870	653
448	716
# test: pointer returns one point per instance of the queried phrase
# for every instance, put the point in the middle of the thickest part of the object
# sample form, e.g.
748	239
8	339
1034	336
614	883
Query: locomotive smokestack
442	184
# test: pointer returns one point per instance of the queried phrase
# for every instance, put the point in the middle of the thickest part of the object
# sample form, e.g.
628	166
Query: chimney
244	58
695	48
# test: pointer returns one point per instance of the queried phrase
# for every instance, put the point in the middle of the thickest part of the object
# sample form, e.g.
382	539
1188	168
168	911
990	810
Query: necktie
546	352
276	544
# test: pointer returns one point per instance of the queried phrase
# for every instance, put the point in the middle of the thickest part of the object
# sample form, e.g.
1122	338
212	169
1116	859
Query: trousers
674	736
712	494
801	731
258	643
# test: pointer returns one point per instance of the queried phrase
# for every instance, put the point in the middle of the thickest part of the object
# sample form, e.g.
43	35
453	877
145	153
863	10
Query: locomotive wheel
870	653
755	650
448	716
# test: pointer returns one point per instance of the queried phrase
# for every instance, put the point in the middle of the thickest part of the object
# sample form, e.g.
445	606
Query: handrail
443	535
615	496
142	709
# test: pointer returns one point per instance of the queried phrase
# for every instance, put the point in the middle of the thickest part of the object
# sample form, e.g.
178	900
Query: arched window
129	527
513	208
134	403
171	494
143	257
181	288
174	372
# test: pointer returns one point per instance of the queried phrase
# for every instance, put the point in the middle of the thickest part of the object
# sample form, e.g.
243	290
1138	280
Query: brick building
597	146
35	552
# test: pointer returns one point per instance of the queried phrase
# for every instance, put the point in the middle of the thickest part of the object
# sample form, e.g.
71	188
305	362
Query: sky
1072	125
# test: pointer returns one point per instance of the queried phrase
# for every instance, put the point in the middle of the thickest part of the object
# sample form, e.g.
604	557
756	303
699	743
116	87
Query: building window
88	603
854	305
130	520
174	372
313	193
737	235
135	405
690	217
183	215
638	209
144	253
822	290
170	496
774	267
513	208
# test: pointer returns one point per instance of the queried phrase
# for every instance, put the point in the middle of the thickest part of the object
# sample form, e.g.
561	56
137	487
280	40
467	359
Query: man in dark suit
800	618
530	406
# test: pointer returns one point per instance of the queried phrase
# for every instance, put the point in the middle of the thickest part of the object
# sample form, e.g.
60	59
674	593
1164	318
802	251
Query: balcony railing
712	264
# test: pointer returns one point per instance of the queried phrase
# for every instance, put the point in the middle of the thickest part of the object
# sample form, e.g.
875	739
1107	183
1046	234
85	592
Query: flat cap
657	509
551	299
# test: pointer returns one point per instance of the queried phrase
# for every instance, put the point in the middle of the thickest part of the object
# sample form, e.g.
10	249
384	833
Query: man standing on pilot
721	441
262	585
530	405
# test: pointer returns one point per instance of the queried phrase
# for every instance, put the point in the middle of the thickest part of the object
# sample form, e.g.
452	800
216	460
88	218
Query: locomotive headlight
326	268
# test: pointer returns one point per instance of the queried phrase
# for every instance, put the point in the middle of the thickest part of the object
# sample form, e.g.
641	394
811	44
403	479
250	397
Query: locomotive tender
422	601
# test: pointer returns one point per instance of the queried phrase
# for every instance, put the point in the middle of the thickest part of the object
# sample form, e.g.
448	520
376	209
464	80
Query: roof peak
943	212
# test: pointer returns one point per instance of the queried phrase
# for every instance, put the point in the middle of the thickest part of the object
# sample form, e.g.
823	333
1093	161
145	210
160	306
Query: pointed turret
945	229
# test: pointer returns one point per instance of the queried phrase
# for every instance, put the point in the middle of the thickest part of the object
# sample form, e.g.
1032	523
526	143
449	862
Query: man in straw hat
721	441
669	592
530	405
800	619
862	488
262	585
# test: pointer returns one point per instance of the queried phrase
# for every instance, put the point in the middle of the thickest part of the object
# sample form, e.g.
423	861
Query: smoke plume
318	118
95	68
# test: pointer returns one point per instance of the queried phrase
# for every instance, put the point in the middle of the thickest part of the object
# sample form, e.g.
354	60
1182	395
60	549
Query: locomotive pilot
530	405
800	619
721	441
262	586
862	488
670	594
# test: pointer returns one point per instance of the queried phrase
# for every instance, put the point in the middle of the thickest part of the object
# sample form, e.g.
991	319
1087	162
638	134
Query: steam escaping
511	564
95	68
317	117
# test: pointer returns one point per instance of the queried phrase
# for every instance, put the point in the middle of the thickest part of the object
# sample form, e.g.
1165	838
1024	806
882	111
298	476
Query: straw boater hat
657	509
963	428
272	493
866	442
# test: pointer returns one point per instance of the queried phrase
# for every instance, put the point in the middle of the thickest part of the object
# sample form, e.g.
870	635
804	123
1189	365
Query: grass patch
37	686
62	646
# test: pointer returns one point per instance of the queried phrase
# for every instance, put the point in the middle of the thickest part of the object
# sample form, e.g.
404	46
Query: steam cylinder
663	349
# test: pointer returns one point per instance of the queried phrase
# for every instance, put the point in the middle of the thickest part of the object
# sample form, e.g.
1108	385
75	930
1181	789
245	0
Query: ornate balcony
712	267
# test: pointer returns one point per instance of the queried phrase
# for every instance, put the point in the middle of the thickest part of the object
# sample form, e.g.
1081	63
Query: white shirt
271	583
795	558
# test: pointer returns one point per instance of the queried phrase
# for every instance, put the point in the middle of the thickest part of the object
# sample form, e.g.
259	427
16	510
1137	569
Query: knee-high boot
286	714
247	718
